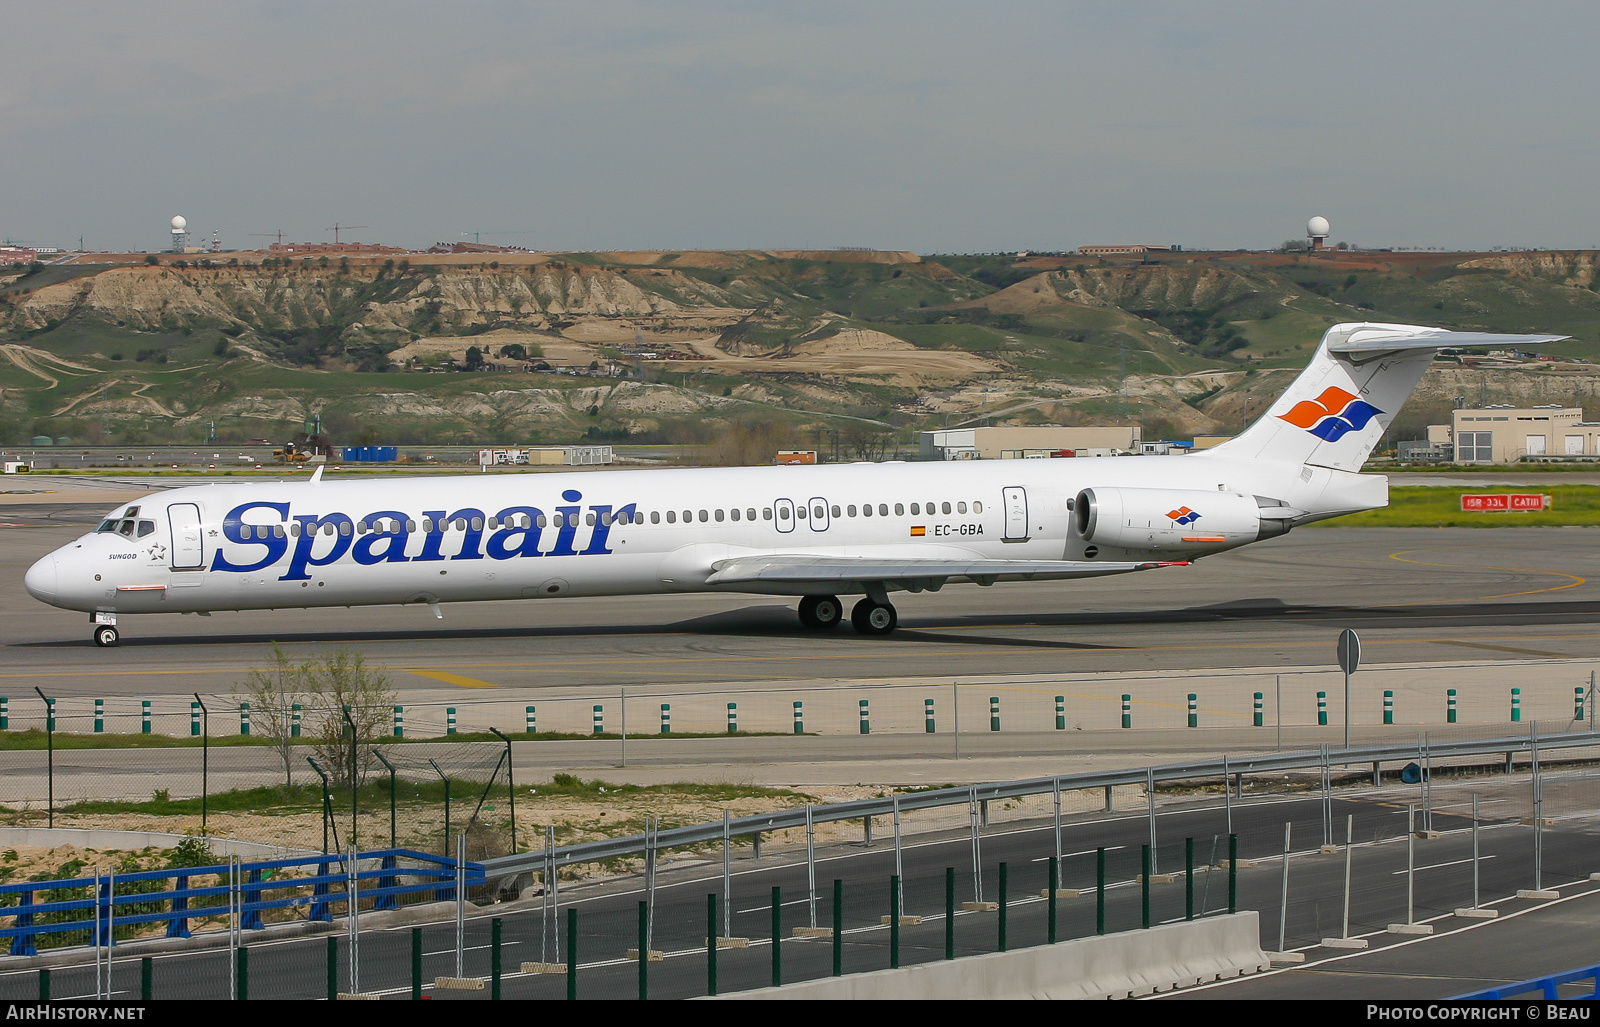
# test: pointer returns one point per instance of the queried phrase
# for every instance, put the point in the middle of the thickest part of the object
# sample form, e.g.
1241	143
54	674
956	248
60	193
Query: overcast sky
925	125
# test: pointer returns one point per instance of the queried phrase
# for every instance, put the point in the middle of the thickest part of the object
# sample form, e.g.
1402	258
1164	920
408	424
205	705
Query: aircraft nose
40	580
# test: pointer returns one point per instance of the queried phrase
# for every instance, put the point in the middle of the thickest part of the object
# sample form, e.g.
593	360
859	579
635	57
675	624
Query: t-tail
1337	410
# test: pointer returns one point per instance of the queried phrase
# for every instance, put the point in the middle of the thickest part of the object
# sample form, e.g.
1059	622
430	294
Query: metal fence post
1144	886
241	957
1233	873
572	953
44	984
838	927
644	950
894	922
416	964
494	959
1188	878
949	912
711	944
1004	904
50	760
777	936
146	979
1055	884
331	968
1283	900
205	763
1100	890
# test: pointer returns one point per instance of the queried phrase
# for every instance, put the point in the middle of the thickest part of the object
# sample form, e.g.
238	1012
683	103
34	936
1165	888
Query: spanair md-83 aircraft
812	532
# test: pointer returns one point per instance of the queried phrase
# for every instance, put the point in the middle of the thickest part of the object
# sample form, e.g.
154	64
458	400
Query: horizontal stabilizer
822	570
1386	338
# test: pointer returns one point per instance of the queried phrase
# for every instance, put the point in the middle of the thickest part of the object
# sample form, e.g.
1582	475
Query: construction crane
337	228
278	235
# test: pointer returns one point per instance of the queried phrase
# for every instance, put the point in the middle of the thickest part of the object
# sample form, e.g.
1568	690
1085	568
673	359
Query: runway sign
1503	502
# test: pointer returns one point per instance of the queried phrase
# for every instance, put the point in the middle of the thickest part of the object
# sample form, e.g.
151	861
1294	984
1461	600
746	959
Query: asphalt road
608	911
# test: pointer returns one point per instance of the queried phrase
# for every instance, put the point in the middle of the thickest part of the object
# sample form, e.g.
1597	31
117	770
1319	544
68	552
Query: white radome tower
180	234
1318	228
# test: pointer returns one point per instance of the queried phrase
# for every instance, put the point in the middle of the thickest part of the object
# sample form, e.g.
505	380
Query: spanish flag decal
917	531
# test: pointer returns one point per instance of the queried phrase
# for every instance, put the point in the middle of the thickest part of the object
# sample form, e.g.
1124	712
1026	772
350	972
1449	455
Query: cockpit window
125	528
107	526
146	527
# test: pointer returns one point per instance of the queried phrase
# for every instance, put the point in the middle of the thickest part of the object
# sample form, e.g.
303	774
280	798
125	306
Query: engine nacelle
1173	519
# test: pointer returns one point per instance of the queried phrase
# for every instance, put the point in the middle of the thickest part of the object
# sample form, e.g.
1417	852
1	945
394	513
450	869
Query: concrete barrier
1113	966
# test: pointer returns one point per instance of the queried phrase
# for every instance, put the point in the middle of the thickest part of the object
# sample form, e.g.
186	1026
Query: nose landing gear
821	613
871	617
105	629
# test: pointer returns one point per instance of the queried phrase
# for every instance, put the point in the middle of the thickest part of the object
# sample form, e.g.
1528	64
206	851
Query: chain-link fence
1325	854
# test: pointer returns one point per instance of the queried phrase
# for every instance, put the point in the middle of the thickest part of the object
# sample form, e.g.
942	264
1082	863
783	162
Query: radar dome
179	224
1318	228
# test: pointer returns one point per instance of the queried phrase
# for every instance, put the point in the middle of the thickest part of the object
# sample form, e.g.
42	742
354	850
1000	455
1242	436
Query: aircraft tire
105	635
872	618
821	613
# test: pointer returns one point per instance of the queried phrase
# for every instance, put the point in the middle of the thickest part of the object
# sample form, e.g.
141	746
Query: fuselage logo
1183	515
1331	415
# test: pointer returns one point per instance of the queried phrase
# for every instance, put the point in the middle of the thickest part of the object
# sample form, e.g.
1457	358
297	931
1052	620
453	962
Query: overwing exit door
1016	507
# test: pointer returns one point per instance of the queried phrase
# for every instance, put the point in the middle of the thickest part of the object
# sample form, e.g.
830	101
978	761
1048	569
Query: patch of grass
1417	506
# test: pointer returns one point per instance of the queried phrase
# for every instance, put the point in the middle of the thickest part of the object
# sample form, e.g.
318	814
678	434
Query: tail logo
1183	515
1331	415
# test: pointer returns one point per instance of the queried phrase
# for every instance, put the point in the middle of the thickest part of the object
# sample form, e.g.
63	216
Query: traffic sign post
1349	660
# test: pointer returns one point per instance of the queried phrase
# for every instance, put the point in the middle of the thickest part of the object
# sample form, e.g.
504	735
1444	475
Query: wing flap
803	570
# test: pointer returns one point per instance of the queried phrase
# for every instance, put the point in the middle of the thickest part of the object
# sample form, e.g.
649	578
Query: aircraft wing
911	573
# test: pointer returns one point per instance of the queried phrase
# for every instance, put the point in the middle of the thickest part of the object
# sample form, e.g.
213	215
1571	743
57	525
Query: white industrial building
1010	443
1506	434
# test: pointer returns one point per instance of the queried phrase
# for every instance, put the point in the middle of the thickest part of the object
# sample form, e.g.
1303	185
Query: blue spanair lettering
310	525
433	538
603	519
394	549
233	531
499	545
569	524
472	533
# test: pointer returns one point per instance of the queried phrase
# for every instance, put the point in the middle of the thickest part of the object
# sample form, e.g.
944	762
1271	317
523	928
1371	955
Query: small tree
273	694
342	681
474	358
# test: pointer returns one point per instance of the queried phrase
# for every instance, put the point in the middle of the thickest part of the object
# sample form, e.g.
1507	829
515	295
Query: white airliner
813	532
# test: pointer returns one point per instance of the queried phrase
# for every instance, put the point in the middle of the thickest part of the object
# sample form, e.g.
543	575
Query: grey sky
925	125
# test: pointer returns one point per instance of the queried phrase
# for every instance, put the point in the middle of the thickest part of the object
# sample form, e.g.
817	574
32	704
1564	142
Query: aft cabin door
1016	507
188	546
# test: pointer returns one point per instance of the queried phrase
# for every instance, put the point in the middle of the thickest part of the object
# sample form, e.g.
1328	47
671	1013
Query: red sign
1502	502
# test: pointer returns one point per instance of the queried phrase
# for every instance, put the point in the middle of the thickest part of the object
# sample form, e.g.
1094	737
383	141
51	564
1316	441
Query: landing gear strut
821	613
871	617
105	635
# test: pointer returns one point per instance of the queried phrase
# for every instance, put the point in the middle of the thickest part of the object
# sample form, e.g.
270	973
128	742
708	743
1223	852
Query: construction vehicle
308	447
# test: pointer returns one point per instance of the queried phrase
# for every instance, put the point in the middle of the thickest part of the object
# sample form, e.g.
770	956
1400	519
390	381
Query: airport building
1008	443
1506	434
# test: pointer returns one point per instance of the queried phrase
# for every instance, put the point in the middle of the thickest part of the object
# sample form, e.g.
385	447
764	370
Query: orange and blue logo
1331	415
1183	515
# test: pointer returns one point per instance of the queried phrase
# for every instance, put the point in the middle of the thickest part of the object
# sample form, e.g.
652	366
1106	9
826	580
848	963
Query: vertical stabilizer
1361	375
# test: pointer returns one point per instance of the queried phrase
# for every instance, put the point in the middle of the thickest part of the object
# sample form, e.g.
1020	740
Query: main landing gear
870	617
821	613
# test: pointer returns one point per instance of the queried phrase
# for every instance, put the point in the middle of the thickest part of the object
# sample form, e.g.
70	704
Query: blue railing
320	891
1545	986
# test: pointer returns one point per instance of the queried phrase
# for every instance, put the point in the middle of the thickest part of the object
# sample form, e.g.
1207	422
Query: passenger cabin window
688	516
916	508
703	517
946	507
961	508
851	509
977	507
588	518
734	513
835	510
750	514
655	516
866	509
766	513
719	515
672	517
800	512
